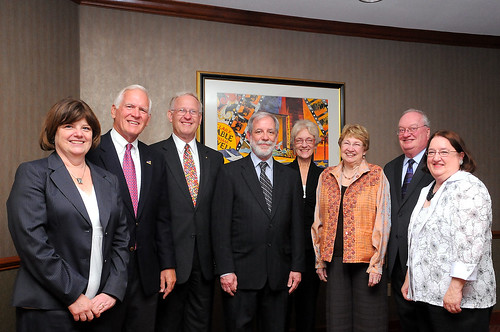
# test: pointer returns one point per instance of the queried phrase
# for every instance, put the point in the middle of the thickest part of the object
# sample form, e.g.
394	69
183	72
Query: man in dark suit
152	259
258	232
192	169
406	179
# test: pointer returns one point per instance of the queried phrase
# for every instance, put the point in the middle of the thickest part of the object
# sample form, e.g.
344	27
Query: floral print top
367	217
452	238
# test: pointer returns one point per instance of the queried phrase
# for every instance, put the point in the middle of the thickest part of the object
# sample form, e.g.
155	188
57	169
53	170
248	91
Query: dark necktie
267	187
190	173
129	172
407	179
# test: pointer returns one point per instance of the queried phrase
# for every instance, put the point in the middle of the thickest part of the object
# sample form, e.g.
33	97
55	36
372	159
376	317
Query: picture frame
229	100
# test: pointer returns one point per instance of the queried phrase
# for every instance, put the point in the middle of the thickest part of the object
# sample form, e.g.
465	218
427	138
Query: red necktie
129	172
190	173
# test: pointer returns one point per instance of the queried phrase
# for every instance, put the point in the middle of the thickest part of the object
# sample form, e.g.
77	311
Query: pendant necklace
430	194
79	180
347	177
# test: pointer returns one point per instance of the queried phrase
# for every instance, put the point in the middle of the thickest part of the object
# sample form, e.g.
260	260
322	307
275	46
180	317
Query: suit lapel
419	174
278	185
109	158
204	171
175	166
103	193
398	170
62	179
146	177
249	175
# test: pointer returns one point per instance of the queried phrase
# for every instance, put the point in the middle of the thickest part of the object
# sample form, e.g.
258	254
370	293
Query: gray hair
260	115
311	128
182	94
427	123
119	98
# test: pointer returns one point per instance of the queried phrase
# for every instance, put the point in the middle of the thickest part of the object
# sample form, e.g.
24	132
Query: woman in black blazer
66	220
305	137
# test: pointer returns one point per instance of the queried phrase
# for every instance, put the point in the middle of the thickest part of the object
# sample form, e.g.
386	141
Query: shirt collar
121	142
180	144
256	160
417	158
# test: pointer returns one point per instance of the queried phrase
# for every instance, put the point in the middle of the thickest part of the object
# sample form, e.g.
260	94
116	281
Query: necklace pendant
79	180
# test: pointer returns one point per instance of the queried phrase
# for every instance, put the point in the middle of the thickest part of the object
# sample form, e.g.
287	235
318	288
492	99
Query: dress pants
407	310
265	308
351	304
302	302
137	312
432	318
188	308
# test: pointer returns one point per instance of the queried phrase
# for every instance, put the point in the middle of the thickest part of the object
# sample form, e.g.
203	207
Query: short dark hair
68	110
468	165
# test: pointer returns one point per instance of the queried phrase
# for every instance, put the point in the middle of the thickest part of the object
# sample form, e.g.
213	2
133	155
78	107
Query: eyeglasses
308	141
354	145
442	153
411	130
183	111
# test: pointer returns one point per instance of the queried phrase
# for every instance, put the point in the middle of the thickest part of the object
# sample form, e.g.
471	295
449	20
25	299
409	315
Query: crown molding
266	20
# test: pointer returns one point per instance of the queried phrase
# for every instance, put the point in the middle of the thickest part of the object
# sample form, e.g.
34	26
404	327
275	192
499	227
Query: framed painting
229	100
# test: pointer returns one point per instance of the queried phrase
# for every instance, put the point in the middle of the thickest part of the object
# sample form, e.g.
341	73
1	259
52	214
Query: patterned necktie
267	187
129	172
408	176
190	173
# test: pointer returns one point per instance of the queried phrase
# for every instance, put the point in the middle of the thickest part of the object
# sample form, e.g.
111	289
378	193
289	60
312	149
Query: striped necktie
267	187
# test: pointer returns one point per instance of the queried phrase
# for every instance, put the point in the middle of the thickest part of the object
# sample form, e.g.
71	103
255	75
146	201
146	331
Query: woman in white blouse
66	220
450	270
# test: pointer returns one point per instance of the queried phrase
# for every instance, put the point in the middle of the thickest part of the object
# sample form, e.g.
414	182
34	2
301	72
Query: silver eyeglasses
411	130
183	111
442	153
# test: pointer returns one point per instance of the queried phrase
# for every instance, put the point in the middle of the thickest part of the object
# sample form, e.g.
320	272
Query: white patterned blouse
452	238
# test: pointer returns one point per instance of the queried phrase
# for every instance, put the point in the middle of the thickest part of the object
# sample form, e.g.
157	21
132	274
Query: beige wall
39	64
456	86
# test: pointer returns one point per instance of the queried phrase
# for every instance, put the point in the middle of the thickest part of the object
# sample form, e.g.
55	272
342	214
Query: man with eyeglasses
406	179
192	170
258	233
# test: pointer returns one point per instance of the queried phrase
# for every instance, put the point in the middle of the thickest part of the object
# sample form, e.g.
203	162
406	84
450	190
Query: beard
263	149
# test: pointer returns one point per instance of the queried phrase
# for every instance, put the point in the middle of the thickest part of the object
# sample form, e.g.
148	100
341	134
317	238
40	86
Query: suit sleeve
27	220
222	207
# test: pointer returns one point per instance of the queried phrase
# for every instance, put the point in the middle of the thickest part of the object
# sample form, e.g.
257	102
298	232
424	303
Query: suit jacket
151	229
257	245
52	233
309	202
190	224
401	209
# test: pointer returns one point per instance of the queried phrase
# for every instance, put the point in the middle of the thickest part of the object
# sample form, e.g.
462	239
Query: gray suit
52	233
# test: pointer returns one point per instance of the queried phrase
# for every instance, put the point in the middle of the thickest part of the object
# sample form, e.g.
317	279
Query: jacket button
131	248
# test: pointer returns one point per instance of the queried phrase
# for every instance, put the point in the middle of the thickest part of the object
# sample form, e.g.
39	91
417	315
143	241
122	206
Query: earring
461	162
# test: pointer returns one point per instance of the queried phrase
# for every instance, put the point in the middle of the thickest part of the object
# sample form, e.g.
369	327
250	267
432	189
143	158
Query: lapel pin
148	162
